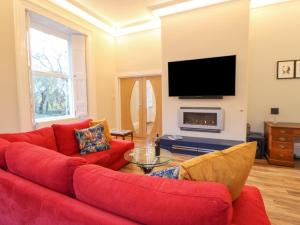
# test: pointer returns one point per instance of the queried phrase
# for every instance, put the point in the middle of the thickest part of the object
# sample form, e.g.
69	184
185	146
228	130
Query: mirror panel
151	106
135	105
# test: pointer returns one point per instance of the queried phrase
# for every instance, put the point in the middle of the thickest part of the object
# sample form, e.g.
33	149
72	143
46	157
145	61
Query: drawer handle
282	146
282	131
281	155
282	139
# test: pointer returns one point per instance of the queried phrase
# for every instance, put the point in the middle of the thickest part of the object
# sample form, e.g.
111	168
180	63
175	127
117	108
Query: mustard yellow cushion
230	167
105	126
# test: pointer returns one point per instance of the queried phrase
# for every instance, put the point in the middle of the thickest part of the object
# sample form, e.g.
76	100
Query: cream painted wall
139	52
8	87
274	36
213	31
105	77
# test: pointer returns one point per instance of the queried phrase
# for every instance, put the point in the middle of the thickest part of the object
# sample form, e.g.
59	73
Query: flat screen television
203	77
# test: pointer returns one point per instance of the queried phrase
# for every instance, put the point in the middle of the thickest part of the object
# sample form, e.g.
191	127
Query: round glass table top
146	156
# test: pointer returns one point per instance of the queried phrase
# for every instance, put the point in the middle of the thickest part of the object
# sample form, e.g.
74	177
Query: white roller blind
79	75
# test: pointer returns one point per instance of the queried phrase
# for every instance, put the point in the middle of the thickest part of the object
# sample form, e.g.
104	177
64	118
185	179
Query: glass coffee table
145	158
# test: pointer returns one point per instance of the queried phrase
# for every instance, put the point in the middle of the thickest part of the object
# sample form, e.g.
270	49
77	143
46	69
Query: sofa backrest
43	166
3	146
24	202
43	137
153	200
65	136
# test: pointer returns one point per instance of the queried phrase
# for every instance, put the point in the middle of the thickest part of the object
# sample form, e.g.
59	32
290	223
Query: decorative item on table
157	145
275	112
297	69
286	69
248	128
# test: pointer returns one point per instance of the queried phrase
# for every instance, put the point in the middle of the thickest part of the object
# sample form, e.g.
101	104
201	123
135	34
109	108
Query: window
51	79
57	92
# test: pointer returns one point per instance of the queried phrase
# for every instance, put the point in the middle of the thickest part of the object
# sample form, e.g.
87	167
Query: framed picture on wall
285	69
297	73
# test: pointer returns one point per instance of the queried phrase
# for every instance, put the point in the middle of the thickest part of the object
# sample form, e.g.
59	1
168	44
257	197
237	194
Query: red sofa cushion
3	146
118	148
42	166
65	136
23	202
118	164
108	157
100	158
153	200
43	137
249	208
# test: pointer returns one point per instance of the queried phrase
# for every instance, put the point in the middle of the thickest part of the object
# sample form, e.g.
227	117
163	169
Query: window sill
54	119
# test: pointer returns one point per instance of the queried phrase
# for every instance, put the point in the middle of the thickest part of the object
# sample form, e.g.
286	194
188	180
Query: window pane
51	96
49	53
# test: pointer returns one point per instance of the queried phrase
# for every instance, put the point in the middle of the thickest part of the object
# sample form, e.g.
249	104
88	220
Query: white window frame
69	76
21	8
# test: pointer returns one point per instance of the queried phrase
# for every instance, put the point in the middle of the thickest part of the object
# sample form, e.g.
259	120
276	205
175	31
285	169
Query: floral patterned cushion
172	172
92	139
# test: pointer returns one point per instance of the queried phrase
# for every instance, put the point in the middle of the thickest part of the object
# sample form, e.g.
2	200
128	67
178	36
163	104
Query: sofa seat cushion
99	158
110	156
43	137
65	136
118	149
3	146
43	166
153	200
249	208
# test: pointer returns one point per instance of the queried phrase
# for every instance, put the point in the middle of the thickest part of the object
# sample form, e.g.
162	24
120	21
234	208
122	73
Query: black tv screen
203	77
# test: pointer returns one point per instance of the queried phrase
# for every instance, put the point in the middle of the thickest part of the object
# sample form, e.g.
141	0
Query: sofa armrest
249	208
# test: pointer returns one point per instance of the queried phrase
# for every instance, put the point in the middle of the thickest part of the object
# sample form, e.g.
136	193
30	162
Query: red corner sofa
41	186
61	138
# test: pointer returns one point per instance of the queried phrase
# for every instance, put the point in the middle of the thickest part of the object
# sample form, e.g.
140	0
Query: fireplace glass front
200	118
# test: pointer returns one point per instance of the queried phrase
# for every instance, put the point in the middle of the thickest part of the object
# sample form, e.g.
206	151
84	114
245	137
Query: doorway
141	105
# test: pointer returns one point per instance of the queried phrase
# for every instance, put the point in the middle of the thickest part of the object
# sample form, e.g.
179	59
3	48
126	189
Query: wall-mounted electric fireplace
208	119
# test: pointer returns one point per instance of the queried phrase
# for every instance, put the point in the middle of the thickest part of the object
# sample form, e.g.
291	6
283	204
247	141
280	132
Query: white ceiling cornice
159	9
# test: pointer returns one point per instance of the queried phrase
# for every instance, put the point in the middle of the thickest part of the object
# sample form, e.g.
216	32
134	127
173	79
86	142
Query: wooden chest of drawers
280	142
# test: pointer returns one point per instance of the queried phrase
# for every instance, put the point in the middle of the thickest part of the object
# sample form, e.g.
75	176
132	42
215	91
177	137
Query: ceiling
120	13
121	17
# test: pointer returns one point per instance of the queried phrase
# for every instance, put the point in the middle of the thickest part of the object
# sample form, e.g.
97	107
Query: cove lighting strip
155	23
84	15
262	3
185	6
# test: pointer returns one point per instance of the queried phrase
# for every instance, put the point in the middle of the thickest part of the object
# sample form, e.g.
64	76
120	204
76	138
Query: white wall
8	84
213	31
274	36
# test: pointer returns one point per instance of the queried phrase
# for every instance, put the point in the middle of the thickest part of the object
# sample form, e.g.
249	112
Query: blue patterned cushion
172	172
92	139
